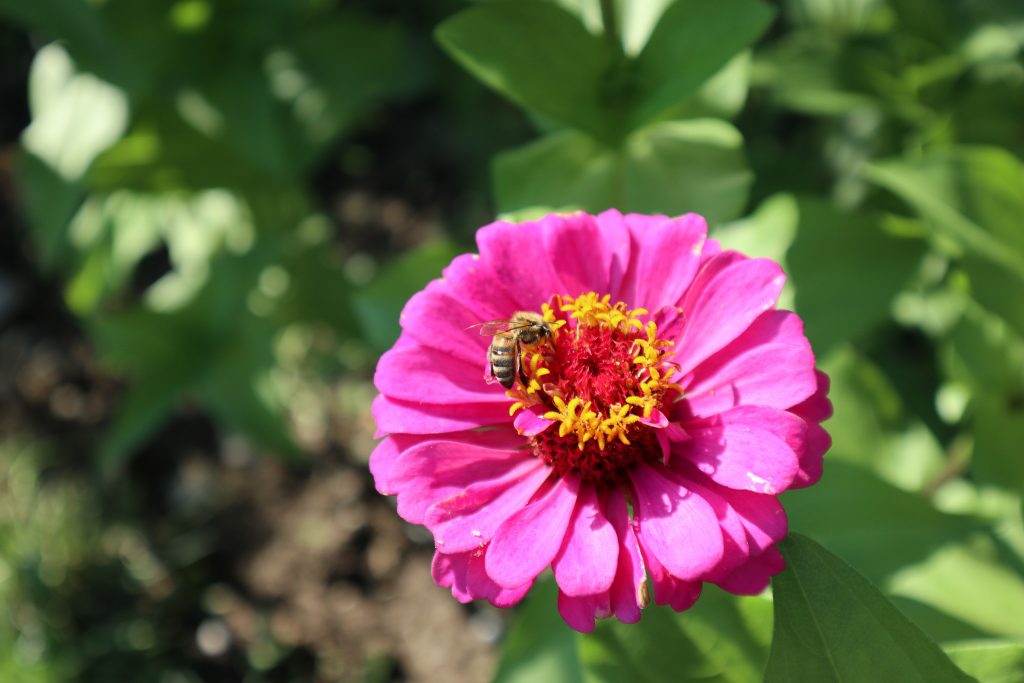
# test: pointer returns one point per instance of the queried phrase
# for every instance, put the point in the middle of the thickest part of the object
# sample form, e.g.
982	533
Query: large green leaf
692	41
538	55
540	647
832	253
831	624
672	167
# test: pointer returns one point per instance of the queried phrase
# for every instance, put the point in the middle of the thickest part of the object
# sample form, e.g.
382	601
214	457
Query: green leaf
991	661
82	28
692	41
213	350
971	581
986	356
732	631
538	55
49	201
672	167
838	16
539	646
828	260
972	196
872	426
870	523
998	434
655	650
75	116
379	305
831	624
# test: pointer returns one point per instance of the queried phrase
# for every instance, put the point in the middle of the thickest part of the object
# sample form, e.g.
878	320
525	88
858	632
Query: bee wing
493	327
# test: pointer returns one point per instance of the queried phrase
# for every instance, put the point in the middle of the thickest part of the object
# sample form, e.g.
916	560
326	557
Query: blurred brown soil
304	564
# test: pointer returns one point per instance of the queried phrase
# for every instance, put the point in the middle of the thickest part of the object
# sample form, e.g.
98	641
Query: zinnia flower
648	436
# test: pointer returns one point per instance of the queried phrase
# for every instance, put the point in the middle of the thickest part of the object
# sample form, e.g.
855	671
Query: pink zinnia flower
648	436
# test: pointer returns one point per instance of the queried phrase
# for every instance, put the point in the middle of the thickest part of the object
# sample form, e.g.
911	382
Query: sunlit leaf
831	624
654	650
991	661
519	48
540	647
75	116
731	631
692	41
672	167
971	581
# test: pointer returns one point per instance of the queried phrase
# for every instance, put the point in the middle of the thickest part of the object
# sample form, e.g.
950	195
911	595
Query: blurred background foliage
214	211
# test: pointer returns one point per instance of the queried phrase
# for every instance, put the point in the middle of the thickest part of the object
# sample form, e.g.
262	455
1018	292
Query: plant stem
611	27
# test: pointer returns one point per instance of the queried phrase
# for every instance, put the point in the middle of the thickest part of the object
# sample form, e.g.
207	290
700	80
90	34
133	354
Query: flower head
646	434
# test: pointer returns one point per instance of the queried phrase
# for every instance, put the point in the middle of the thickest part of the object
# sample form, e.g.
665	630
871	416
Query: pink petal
589	555
434	470
580	612
753	577
440	319
529	421
674	524
770	364
579	250
464	574
664	257
527	541
672	319
515	253
762	517
483	585
748	447
420	374
669	590
469	518
383	459
817	444
473	281
722	303
394	416
817	408
711	249
736	547
449	571
630	576
617	235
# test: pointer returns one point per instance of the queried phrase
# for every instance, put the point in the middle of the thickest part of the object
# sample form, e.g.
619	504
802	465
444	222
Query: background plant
233	201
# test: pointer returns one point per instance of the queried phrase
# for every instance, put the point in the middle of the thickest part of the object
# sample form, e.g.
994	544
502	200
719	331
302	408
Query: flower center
602	378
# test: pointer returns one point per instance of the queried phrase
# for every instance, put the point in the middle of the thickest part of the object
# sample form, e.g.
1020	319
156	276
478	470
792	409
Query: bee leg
519	367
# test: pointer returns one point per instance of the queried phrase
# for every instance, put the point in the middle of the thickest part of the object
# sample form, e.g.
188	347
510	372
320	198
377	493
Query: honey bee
510	336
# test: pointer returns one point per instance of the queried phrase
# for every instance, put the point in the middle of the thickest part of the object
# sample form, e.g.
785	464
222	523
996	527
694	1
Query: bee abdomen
501	361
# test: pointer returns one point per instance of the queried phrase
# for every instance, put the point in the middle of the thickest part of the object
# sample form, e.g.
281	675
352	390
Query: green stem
611	27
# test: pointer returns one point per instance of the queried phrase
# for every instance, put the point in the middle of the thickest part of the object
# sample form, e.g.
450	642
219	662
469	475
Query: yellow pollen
580	418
